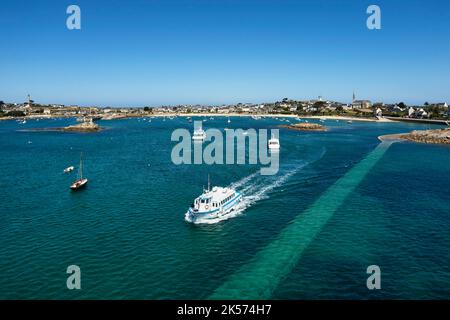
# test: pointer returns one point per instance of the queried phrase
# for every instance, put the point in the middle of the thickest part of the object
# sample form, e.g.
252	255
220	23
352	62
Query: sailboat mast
81	165
209	184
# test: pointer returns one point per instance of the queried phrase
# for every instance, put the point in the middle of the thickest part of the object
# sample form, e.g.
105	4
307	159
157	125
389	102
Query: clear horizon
153	53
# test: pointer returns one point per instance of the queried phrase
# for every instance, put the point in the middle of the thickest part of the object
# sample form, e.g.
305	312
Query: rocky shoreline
83	127
305	127
439	136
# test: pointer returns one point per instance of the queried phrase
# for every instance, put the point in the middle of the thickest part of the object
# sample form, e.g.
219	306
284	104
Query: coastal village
316	107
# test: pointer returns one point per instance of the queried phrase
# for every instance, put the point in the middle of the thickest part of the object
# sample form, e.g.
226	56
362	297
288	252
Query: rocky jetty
429	136
305	127
440	136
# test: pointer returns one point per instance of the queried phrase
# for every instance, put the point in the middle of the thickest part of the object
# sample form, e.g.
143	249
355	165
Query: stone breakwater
440	136
305	127
82	127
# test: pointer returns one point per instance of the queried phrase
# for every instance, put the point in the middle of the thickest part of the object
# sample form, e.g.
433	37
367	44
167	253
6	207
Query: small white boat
213	205
69	169
273	144
229	121
199	135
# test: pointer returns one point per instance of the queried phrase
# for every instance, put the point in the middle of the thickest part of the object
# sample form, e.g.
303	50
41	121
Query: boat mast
209	184
81	165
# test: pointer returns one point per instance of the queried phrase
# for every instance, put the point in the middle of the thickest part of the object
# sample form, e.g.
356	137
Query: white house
421	113
442	105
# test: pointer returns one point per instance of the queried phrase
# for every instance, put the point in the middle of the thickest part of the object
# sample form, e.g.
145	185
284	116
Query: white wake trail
261	193
243	181
254	190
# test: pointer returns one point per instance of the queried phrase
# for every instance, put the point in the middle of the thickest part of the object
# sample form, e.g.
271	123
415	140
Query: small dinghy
69	169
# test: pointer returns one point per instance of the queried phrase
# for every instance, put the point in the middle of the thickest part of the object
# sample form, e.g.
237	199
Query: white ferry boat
213	205
273	144
199	134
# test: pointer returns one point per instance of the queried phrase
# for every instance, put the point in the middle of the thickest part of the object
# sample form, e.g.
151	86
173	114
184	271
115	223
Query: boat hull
79	184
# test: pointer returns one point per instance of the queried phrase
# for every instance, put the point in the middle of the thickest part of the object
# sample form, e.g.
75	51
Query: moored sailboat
80	182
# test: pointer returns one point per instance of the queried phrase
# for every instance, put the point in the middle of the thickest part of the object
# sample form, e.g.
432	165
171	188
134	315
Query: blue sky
139	53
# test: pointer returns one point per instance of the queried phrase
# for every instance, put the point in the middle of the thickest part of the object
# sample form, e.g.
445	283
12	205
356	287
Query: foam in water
259	278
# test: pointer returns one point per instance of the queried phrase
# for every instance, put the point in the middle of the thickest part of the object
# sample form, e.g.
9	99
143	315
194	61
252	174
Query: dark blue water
338	204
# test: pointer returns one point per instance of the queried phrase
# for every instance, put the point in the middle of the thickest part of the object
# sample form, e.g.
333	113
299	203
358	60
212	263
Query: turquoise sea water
340	202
